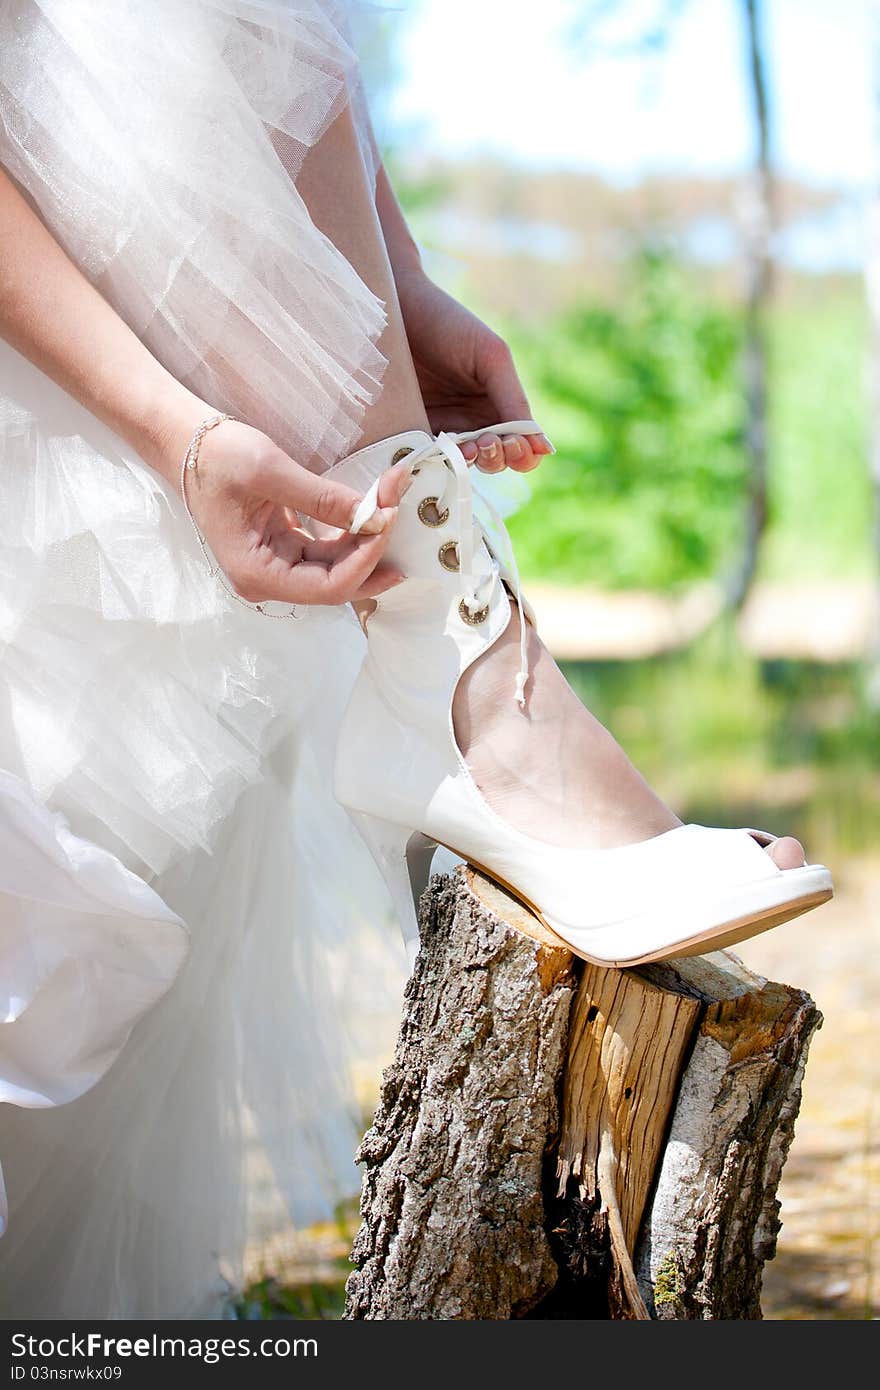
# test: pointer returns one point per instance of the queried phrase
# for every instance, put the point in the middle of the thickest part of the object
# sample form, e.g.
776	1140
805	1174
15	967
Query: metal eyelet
429	515
472	619
401	454
448	556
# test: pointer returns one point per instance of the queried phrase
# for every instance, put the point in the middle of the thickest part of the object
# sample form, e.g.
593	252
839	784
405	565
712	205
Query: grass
317	1300
819	488
730	740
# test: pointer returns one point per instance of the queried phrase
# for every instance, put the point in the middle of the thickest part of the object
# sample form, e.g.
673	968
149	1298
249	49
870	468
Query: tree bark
714	1218
543	1120
453	1213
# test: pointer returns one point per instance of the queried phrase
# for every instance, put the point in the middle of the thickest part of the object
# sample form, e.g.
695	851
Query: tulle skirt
194	945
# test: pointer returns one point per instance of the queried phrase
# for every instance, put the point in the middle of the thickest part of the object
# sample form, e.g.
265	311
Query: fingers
343	568
290	566
540	444
383	577
490	453
394	483
520	452
336	572
505	390
311	494
351	574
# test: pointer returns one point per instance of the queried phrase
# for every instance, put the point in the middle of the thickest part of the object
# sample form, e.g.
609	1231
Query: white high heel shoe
403	779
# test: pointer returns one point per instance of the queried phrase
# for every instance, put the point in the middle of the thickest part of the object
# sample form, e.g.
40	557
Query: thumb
313	495
503	386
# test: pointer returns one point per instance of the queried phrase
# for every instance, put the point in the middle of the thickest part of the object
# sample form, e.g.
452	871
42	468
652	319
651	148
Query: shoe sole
717	938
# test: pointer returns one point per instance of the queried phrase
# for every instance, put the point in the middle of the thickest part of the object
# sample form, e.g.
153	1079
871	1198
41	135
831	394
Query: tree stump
554	1140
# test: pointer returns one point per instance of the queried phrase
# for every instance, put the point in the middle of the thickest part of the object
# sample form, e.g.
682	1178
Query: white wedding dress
194	944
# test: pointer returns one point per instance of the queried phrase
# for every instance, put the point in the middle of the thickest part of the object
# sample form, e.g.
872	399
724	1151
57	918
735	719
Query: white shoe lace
458	495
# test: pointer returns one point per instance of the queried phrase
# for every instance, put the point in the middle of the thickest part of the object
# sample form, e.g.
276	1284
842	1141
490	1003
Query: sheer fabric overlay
167	825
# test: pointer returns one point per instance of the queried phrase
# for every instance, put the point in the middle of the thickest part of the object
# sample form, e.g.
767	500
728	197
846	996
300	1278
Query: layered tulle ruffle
86	948
161	143
159	743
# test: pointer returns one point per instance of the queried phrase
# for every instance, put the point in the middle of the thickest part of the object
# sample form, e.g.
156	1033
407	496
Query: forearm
52	315
403	252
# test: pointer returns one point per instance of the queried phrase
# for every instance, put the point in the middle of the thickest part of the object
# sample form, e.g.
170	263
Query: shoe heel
404	856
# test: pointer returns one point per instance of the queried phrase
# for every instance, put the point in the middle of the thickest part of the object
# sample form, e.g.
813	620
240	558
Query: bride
236	420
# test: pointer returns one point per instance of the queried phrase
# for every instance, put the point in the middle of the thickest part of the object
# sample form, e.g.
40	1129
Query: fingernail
513	447
551	448
401	469
470	451
379	521
408	481
374	524
401	579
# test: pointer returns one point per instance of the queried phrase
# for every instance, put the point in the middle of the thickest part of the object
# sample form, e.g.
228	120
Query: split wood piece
626	1048
714	1217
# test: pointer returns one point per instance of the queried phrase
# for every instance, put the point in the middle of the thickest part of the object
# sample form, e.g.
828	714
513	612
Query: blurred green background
663	319
639	384
663	207
676	240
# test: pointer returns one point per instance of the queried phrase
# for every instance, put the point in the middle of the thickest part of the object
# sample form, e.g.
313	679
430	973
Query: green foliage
819	488
419	195
642	396
729	740
642	400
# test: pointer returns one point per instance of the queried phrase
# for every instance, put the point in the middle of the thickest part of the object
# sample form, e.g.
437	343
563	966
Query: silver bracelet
189	465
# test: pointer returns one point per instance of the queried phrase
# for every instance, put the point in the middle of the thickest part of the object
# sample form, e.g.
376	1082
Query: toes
787	853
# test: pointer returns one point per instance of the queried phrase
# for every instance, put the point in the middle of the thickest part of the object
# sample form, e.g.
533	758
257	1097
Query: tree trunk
759	218
555	1140
872	278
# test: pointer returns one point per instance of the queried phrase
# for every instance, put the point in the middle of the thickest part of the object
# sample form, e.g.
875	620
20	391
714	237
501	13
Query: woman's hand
467	375
245	496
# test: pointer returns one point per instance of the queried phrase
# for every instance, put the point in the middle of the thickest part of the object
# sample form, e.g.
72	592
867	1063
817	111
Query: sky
503	77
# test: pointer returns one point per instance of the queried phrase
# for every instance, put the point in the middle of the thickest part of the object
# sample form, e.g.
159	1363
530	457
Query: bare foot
552	770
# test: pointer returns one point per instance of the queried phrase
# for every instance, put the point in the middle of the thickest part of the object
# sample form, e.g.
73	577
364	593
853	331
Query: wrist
409	277
415	294
165	424
403	250
405	257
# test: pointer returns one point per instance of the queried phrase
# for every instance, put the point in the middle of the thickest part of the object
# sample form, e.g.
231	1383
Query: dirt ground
829	1247
825	621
